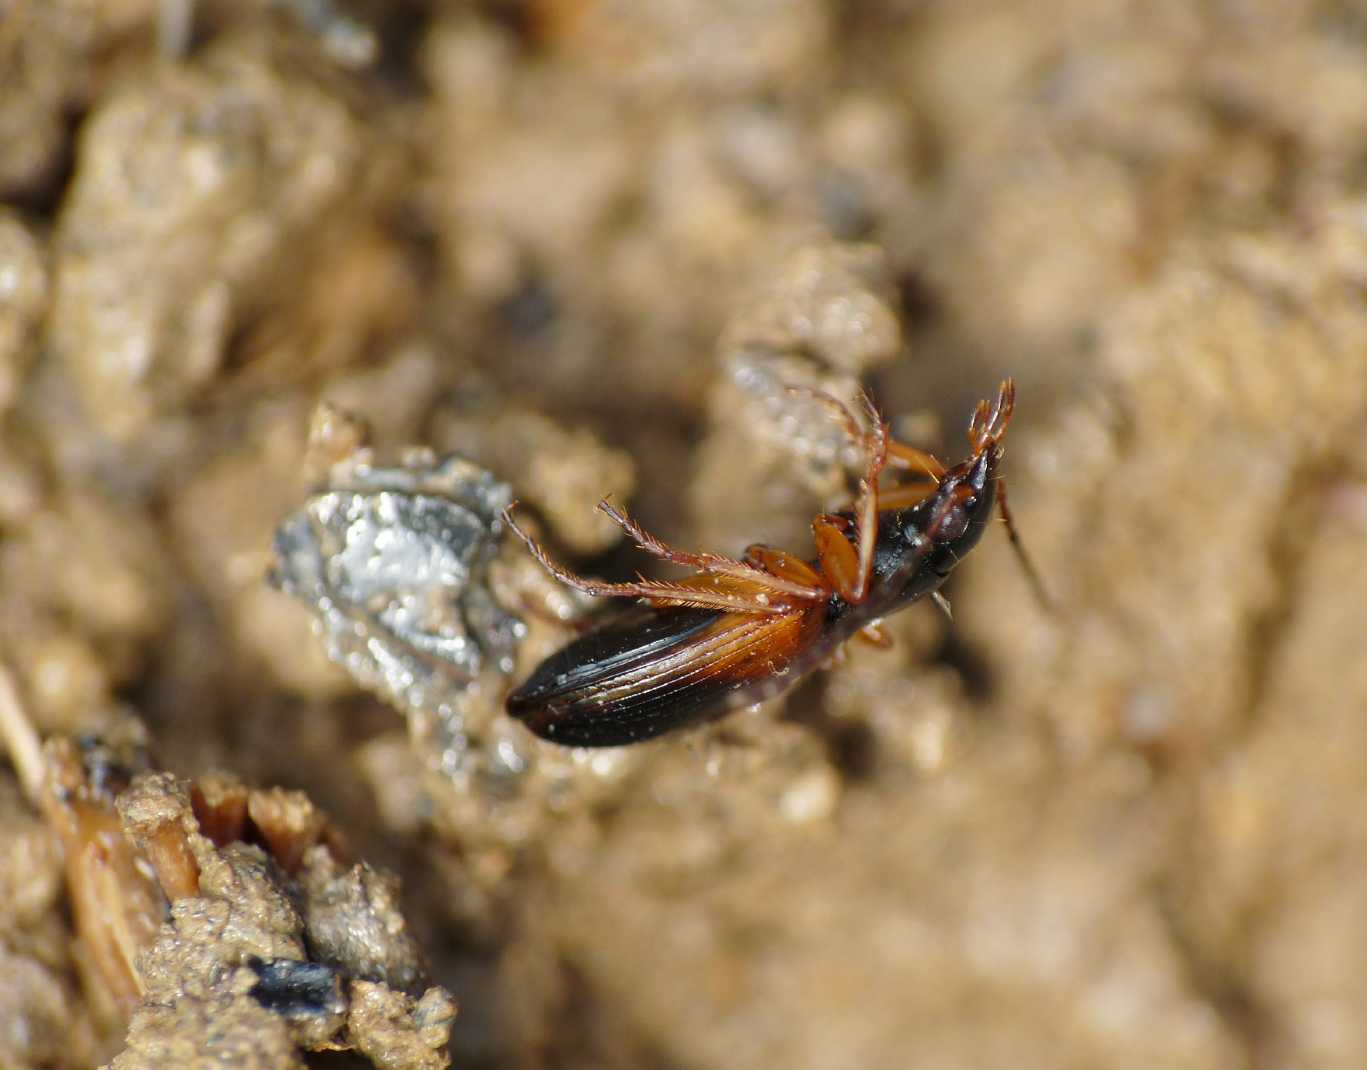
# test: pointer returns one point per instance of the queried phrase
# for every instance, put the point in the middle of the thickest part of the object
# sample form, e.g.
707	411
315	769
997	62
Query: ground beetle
737	632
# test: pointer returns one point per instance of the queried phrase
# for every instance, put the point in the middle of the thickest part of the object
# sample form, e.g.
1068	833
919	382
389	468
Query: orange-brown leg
751	593
837	408
784	566
905	497
706	562
712	563
707	591
847	567
900	455
839	559
866	507
736	597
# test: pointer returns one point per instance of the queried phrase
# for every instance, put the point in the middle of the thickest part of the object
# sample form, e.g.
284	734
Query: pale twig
20	737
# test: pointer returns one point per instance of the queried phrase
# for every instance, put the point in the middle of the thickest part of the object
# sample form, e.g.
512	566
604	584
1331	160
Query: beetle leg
783	565
798	587
703	591
564	575
866	508
900	455
880	450
838	557
735	596
705	562
905	497
838	409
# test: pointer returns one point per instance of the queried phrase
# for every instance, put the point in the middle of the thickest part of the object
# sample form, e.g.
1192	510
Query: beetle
739	631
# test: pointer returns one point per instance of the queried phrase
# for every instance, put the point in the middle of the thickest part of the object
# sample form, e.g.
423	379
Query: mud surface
585	245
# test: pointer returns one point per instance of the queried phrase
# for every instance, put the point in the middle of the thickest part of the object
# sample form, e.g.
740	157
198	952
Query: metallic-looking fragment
392	560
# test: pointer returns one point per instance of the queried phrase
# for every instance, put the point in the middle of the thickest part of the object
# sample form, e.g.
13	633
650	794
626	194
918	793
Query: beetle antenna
1027	564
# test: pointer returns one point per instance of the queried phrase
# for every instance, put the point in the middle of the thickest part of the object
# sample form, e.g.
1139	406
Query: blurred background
584	243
